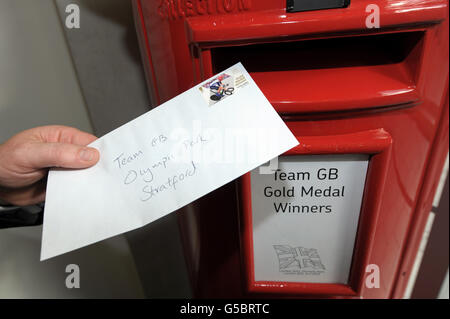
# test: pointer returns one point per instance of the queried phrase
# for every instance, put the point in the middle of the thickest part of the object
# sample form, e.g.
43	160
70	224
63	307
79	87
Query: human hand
26	157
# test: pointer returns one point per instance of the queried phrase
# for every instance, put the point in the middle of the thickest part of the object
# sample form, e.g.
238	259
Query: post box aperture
319	75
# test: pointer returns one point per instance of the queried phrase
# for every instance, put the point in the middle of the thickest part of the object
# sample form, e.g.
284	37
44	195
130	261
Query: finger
42	155
28	195
65	134
77	137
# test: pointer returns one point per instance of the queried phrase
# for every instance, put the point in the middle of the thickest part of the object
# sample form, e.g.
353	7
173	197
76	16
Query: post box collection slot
332	74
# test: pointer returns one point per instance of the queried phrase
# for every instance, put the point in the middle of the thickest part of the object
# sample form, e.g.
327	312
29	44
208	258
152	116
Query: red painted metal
418	222
327	75
275	23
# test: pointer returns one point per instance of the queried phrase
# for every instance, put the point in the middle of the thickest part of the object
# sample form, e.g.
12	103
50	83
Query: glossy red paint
277	25
419	220
328	76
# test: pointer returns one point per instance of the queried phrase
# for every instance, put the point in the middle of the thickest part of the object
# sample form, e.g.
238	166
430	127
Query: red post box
369	106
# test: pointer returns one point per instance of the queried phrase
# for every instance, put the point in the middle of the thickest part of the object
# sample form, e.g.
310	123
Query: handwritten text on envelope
163	160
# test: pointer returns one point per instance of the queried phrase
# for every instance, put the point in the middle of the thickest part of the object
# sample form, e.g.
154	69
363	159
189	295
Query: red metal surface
275	23
424	206
317	95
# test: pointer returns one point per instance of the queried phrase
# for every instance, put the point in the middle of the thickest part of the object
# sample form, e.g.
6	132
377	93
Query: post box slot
332	74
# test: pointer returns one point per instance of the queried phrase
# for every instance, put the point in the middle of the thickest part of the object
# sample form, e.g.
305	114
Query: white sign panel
305	217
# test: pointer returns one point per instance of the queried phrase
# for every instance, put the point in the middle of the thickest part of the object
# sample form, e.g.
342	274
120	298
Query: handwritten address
151	176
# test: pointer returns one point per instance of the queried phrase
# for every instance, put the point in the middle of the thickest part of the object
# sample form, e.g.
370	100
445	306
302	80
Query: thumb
42	155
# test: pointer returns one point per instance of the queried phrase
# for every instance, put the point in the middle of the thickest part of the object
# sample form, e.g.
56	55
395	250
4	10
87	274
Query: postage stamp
222	86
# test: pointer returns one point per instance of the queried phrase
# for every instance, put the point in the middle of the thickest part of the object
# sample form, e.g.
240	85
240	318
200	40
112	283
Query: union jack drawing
294	258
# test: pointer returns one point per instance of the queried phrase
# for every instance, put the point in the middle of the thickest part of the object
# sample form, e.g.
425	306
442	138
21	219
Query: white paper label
305	217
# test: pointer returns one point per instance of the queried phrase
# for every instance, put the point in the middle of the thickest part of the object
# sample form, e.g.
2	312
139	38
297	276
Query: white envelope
163	160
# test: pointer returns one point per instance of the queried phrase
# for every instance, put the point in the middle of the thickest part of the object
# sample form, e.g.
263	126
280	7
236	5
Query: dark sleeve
11	216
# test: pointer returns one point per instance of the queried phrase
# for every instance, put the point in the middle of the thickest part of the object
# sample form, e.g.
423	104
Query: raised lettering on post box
305	218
